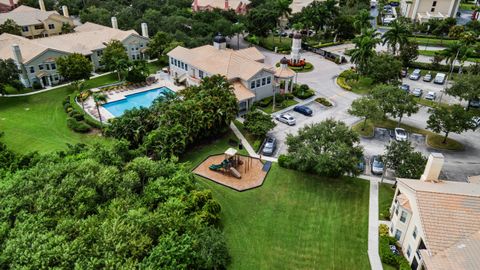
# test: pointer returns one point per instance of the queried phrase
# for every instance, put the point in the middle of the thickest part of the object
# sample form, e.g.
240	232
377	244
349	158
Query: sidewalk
373	255
247	145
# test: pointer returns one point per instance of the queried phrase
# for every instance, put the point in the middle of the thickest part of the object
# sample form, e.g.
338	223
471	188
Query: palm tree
451	53
121	65
284	10
396	35
364	48
362	20
83	96
99	99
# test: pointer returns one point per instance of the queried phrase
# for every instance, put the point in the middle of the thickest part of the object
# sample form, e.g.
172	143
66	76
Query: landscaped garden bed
351	81
324	102
397	261
303	91
281	102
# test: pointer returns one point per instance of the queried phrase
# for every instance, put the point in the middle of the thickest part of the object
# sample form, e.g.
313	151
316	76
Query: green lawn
269	109
467	6
432	53
294	221
38	122
385	197
283	44
254	142
423	41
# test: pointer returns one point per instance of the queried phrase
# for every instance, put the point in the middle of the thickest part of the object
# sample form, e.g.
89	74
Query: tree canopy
329	148
258	123
466	87
453	119
74	67
8	74
10	27
104	207
401	157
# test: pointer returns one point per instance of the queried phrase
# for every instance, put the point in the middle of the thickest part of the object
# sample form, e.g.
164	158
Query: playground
232	170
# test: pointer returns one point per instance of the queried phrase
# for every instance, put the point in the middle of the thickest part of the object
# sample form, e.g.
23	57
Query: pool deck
115	95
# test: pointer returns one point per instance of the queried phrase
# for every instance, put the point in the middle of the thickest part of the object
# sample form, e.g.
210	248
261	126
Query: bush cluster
388	257
76	120
430	66
303	91
324	102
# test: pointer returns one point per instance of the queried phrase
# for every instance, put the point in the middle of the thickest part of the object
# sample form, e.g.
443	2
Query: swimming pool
137	100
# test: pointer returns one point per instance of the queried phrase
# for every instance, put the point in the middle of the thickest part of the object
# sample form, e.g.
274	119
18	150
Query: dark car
475	103
405	87
303	110
269	147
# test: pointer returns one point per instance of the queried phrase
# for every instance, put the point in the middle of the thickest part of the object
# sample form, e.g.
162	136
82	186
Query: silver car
415	75
400	134
417	92
431	95
286	119
269	147
427	78
376	165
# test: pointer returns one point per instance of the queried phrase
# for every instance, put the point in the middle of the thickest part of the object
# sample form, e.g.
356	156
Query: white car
400	134
286	118
476	121
415	75
431	95
440	78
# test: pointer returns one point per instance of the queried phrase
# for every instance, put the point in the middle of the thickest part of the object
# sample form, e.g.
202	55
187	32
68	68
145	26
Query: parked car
428	77
476	121
417	92
400	134
474	103
440	78
303	110
286	119
431	95
405	87
377	165
404	73
269	147
415	75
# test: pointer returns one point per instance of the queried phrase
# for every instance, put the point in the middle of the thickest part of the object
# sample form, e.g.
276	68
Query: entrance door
414	264
44	81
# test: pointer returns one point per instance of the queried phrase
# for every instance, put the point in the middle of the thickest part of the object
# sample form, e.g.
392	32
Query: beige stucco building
36	58
37	23
251	78
437	223
424	10
239	6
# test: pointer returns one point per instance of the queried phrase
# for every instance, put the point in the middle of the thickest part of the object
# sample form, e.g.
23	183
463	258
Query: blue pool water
142	99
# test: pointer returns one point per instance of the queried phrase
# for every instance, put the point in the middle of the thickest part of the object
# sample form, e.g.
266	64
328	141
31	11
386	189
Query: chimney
65	11
12	4
42	5
433	168
226	5
144	30
114	23
17	55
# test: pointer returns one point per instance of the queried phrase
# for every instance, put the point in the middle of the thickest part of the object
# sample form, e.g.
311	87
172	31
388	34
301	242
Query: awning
41	74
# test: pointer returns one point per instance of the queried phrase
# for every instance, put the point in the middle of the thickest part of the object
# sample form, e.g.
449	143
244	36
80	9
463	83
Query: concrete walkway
247	145
373	255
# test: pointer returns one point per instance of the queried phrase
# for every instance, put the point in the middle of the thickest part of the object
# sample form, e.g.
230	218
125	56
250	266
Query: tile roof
87	38
464	255
229	63
221	3
25	15
449	211
403	201
241	92
281	72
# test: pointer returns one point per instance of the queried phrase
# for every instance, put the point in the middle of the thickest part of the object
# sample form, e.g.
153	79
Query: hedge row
388	257
429	66
324	102
76	119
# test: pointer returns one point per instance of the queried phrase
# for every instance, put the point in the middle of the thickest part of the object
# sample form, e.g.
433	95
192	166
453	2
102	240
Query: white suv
400	134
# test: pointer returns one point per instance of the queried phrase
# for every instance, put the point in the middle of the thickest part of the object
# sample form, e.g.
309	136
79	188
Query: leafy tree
343	25
261	20
455	31
258	123
364	49
362	20
158	43
238	28
74	67
454	119
466	88
397	35
401	157
409	53
328	148
115	58
10	27
366	107
67	28
8	73
99	99
138	72
384	68
395	102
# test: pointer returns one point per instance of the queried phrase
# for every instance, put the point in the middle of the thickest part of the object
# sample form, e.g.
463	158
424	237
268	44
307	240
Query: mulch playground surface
251	171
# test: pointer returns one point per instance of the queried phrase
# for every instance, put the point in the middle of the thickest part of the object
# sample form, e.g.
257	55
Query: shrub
36	85
386	254
78	126
76	114
288	96
279	98
265	102
324	102
341	81
383	230
284	161
66	100
430	66
67	107
93	123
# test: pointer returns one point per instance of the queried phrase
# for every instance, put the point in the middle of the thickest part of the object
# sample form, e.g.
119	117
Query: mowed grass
385	197
294	221
38	122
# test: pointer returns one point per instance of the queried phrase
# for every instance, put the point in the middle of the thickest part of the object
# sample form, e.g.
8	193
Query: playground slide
235	173
217	167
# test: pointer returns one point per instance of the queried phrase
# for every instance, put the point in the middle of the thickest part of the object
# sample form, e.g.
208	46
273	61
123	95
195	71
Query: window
54	66
40	67
200	74
24	28
141	45
175	62
51	26
391	229
434	4
133	49
403	216
264	81
99	53
432	10
269	80
171	61
186	67
183	65
398	234
409	251
414	234
55	77
39	26
396	211
258	83
48	66
252	85
32	69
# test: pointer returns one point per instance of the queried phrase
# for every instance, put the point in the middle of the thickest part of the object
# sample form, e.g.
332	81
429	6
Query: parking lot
438	89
